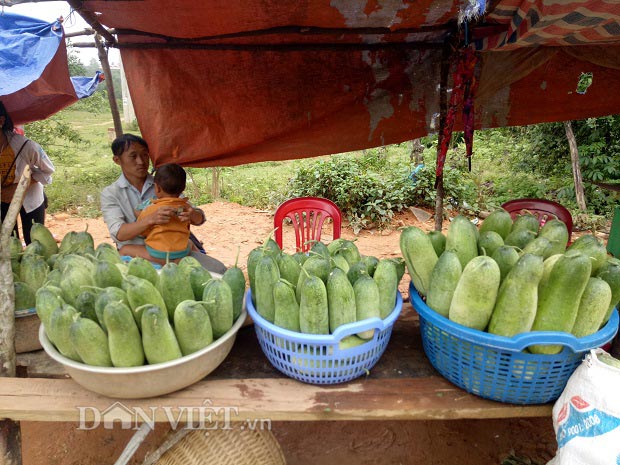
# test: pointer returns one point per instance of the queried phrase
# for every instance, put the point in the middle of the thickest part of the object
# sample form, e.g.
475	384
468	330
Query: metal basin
147	380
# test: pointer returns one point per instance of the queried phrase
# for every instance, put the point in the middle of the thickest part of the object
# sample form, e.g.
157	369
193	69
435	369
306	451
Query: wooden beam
92	20
287	47
281	399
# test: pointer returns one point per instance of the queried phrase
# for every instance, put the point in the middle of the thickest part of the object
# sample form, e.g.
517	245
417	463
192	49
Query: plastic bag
586	417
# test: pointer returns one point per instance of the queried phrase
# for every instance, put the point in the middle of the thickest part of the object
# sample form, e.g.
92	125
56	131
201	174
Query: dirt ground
229	228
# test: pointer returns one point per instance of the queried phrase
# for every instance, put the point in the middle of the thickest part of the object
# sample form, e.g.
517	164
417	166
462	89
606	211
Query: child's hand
184	213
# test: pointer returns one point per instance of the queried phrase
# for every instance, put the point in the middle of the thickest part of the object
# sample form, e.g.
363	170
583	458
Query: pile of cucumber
317	292
510	277
101	311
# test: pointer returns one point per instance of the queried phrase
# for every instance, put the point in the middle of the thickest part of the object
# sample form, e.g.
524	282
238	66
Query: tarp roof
227	82
34	73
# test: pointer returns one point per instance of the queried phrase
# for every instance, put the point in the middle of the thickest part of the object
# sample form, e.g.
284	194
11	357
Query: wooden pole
105	65
443	112
574	157
10	437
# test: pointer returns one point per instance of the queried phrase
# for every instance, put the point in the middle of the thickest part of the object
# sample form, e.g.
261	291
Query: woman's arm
40	164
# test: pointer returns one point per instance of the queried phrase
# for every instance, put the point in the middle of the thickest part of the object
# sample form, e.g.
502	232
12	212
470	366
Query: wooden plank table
402	386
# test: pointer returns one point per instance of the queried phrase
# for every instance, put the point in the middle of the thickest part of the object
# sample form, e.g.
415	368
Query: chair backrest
543	209
307	215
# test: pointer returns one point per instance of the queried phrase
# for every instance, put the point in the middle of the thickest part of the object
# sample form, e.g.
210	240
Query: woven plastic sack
586	416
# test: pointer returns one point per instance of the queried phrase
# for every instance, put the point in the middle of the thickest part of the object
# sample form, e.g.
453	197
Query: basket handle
524	340
358	327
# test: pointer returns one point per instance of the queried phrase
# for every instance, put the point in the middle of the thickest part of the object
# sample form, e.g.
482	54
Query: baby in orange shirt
170	240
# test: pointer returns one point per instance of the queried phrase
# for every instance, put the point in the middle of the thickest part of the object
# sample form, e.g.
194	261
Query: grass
83	169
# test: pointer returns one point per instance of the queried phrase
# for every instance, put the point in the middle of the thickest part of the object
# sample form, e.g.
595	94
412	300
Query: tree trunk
10	439
103	59
417	149
215	183
574	156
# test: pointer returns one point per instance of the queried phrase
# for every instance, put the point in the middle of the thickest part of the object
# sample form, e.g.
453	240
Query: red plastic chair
543	209
308	215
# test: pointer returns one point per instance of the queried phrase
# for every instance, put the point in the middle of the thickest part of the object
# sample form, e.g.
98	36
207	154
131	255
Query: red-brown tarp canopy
227	82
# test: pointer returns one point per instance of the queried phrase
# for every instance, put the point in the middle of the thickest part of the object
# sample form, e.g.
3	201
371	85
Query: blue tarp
85	86
34	72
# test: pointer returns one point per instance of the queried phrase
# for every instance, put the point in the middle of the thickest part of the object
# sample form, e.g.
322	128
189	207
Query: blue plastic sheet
34	72
27	45
85	86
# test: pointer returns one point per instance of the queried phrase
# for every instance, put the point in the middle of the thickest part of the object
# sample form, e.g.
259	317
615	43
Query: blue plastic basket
317	359
496	367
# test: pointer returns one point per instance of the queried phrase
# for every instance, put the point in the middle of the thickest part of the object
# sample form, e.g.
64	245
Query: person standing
17	152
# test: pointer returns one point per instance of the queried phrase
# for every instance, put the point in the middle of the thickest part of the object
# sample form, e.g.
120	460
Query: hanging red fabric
464	84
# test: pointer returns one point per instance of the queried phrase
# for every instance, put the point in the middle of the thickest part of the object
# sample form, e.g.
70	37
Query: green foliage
76	67
55	134
369	189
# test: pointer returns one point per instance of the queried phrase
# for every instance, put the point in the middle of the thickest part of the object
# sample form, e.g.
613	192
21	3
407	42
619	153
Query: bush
369	191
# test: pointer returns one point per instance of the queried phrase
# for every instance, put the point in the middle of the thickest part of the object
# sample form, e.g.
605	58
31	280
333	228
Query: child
170	240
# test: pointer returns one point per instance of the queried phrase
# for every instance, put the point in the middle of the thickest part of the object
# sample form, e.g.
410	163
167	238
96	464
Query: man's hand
162	215
195	216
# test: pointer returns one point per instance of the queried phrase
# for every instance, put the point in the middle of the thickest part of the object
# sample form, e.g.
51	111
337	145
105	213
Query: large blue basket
317	359
496	367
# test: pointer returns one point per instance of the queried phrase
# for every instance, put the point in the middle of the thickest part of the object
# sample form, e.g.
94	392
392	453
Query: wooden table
402	386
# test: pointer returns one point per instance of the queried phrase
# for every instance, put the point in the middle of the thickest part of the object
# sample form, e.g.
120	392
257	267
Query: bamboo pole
10	436
105	64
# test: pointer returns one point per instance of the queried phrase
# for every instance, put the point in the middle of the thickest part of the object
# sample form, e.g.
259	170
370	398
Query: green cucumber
198	279
367	302
517	300
107	275
438	239
386	278
505	256
218	301
463	239
46	301
559	297
526	222
60	323
499	221
286	314
105	296
124	339
489	242
192	326
610	273
419	255
444	278
90	342
236	280
267	275
340	300
174	287
85	304
475	293
593	307
313	307
158	340
144	269
141	292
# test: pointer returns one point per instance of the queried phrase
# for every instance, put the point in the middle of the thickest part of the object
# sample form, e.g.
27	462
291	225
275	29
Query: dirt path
231	227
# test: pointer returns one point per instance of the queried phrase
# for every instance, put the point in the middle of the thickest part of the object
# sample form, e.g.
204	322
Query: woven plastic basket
496	367
317	359
236	446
